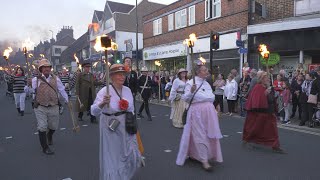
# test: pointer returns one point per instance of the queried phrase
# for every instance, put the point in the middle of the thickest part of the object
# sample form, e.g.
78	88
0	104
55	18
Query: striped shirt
65	80
19	82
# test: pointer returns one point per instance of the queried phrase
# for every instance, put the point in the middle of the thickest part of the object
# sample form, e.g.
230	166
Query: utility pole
137	30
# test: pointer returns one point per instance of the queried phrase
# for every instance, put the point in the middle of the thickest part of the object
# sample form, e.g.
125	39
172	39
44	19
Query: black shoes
49	136
48	151
140	115
19	111
149	118
22	113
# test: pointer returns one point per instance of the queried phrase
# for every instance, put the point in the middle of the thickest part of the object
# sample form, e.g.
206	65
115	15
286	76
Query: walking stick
76	127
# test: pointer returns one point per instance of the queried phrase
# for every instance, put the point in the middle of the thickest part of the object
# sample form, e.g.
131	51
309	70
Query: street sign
239	43
243	51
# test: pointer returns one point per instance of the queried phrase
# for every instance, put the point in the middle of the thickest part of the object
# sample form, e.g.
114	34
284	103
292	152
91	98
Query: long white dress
178	105
119	154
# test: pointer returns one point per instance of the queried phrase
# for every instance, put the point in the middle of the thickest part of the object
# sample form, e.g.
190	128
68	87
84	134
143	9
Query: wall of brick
234	15
276	9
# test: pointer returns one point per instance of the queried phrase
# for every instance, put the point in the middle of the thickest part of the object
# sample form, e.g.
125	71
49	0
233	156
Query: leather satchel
312	99
185	112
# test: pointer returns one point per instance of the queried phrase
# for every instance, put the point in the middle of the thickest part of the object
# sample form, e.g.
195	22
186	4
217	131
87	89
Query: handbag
185	112
312	99
130	119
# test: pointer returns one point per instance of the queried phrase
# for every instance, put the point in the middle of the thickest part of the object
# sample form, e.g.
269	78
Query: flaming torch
6	55
203	61
27	44
190	43
263	49
104	43
42	56
77	60
158	63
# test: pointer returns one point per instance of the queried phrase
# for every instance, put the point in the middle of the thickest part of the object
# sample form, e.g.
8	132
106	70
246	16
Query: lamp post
137	30
190	43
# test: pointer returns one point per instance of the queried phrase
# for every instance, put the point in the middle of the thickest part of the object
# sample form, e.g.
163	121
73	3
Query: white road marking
9	137
299	130
138	118
166	115
61	129
167	151
85	125
36	133
153	116
239	132
67	179
225	135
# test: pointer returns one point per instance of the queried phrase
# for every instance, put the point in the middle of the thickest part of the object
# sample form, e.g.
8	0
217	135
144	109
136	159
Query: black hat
86	63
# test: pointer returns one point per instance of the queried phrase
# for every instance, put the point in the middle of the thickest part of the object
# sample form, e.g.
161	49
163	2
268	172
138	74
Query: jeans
243	112
19	99
163	92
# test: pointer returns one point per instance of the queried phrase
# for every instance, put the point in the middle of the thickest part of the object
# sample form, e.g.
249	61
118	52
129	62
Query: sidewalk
294	125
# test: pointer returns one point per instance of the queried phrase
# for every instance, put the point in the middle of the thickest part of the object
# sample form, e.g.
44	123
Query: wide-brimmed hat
144	69
44	63
182	70
117	68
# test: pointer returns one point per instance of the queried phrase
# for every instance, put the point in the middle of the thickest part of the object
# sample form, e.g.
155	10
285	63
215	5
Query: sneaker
227	113
163	100
230	114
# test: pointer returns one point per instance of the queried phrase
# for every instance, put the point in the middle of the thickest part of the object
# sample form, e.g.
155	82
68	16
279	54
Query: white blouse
114	101
178	85
204	94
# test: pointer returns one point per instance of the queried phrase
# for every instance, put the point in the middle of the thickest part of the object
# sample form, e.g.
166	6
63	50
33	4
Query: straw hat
117	68
144	69
44	63
182	70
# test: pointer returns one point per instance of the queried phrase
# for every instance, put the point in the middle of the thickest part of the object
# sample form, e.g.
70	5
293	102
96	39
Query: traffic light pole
211	54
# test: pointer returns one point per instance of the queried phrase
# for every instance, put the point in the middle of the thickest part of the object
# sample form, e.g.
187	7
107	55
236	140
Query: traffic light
215	42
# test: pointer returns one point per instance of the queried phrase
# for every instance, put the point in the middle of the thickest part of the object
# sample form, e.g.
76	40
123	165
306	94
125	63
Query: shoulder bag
131	121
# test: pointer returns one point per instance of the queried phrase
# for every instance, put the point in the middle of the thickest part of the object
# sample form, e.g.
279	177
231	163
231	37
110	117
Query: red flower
127	68
123	104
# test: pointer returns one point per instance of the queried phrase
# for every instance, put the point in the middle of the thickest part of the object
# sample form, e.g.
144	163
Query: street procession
154	90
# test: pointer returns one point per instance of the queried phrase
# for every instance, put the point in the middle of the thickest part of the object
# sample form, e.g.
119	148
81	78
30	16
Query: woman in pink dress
201	134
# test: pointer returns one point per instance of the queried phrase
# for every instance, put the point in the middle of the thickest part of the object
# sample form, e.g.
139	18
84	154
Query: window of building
306	6
213	9
157	27
181	19
57	50
170	22
192	13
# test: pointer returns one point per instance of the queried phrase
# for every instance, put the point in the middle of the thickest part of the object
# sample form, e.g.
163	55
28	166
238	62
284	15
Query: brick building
166	29
290	28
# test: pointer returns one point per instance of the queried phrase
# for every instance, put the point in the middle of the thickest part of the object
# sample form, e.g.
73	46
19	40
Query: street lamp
190	43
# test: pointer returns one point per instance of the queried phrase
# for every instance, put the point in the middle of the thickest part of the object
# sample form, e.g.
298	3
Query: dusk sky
35	18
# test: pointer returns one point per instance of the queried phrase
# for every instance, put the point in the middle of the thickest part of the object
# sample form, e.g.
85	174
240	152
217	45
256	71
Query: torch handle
107	74
192	65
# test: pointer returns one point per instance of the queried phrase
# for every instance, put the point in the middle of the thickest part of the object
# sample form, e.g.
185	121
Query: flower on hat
123	104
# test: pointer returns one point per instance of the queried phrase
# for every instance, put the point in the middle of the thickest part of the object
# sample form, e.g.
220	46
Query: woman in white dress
119	154
176	92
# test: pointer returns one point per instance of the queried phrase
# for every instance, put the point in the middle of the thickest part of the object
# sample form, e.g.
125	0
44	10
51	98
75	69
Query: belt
145	87
114	114
48	105
180	92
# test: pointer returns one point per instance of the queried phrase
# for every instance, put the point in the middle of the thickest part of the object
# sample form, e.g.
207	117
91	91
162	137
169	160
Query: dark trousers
231	105
219	101
145	105
307	112
295	104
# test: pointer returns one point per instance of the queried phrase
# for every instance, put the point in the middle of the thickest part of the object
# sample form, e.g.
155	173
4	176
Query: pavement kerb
292	126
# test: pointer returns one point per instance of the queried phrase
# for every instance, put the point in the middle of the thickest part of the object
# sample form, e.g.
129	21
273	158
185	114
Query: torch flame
7	52
30	55
202	60
263	49
1	68
33	66
157	63
28	44
95	26
193	37
95	64
76	58
98	47
42	55
191	40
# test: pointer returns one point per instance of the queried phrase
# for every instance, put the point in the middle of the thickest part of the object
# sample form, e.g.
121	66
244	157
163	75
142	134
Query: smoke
14	44
38	32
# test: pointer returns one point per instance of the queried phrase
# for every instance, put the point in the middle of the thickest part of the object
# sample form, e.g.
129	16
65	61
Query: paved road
76	155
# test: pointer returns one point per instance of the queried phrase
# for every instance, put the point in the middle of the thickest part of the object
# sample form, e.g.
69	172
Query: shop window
213	9
170	22
181	19
192	14
157	27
